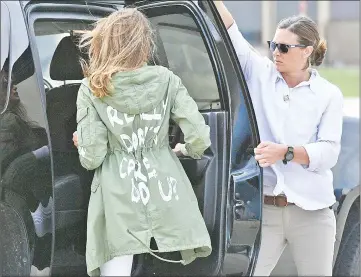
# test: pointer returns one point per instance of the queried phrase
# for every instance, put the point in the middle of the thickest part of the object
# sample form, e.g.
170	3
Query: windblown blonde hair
123	41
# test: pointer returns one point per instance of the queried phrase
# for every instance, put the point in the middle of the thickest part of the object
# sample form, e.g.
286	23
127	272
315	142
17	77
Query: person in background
25	171
24	160
299	115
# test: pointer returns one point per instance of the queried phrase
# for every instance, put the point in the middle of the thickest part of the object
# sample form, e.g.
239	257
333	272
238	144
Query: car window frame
76	12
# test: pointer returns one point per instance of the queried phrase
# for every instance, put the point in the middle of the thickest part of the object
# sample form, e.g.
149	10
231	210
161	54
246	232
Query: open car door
193	43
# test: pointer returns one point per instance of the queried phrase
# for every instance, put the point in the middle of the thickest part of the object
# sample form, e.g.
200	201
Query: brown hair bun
319	53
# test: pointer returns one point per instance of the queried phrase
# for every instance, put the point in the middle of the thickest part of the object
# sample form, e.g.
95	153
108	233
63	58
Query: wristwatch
289	155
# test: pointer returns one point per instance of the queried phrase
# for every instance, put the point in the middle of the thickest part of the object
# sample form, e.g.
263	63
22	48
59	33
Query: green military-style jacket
140	189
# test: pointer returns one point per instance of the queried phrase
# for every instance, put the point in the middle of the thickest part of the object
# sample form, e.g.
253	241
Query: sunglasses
283	48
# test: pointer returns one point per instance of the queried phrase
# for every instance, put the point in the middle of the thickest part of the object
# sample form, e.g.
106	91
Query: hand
177	149
75	139
268	153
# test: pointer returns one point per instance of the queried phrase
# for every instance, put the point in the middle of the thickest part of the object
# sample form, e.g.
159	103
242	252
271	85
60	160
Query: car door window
48	35
188	57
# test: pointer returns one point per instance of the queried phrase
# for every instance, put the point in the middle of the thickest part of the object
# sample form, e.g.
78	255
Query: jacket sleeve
185	113
92	133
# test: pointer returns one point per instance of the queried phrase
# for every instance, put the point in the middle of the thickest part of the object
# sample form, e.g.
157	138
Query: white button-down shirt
308	115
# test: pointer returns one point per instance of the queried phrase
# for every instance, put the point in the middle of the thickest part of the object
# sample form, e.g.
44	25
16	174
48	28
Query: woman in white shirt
299	115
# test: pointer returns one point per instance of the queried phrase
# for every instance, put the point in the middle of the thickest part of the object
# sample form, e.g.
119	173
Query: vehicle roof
25	2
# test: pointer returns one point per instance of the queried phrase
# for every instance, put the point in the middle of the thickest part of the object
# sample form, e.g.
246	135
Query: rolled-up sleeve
248	57
323	154
92	133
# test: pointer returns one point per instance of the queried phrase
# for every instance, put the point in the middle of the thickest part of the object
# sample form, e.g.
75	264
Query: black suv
44	190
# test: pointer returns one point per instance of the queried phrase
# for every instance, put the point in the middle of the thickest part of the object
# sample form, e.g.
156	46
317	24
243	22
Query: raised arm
249	58
224	13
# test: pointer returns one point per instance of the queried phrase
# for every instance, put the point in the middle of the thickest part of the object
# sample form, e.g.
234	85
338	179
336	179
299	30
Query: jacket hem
94	267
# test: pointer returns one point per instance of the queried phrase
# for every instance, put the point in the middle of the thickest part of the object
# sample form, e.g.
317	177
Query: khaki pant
309	234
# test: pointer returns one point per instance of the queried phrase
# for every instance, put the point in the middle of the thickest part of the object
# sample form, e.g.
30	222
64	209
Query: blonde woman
140	190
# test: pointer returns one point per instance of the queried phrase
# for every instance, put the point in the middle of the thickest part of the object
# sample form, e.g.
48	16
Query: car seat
72	181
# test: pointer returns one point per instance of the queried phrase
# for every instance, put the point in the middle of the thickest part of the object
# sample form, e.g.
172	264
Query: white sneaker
36	272
42	218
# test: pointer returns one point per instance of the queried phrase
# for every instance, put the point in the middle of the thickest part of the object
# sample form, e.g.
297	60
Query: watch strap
290	149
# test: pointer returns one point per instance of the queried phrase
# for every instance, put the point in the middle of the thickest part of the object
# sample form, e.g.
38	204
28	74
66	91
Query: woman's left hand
75	139
177	149
268	153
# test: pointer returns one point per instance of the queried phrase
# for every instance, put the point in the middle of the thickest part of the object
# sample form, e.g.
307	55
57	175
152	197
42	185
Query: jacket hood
138	91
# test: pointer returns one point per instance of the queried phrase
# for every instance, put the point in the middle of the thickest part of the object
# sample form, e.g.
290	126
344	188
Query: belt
278	201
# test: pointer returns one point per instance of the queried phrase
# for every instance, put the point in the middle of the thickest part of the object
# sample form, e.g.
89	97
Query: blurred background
338	23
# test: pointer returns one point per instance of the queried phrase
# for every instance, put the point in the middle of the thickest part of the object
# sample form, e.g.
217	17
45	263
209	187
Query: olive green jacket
140	189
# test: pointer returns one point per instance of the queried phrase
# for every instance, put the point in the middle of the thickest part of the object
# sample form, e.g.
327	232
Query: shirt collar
313	82
316	83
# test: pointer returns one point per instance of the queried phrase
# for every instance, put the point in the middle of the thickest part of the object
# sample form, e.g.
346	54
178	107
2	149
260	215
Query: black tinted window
48	36
187	56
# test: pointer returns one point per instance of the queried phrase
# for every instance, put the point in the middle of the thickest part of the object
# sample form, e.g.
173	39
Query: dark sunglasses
283	48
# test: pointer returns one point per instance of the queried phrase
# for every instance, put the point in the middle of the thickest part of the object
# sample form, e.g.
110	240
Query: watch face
289	156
